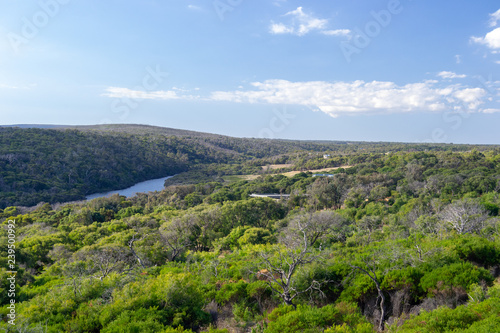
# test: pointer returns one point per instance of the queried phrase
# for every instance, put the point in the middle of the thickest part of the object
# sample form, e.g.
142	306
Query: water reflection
147	186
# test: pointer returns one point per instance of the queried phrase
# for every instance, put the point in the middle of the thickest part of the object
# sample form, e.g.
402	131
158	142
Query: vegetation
67	163
402	242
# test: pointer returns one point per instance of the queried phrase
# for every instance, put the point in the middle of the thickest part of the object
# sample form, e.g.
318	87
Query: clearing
276	166
235	178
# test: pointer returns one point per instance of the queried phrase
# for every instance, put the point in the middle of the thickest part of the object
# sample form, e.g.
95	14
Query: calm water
147	186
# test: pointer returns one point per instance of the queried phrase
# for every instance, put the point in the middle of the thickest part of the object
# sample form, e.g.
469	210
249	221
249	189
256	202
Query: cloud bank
340	98
359	97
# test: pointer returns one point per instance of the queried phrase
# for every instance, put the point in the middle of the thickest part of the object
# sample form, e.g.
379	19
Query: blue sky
370	70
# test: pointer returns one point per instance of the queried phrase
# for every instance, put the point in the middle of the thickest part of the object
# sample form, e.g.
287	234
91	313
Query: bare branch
465	216
131	246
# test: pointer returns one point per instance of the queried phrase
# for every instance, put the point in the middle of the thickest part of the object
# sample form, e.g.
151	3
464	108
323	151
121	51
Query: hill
137	129
66	163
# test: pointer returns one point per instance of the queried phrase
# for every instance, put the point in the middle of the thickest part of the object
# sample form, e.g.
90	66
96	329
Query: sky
359	70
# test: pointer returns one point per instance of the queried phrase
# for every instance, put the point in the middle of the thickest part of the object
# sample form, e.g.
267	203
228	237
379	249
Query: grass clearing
293	173
276	166
236	178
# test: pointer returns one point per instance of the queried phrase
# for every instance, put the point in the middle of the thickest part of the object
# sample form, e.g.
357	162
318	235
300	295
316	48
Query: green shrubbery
343	317
205	257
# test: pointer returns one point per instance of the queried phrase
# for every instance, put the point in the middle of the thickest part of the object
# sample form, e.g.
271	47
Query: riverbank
142	187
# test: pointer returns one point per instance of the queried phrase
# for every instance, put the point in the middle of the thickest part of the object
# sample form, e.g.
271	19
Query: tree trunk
288	299
382	309
131	246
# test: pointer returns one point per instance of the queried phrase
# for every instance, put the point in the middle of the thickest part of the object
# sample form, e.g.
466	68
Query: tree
327	192
465	216
369	271
132	250
375	263
296	249
142	230
105	260
379	192
177	235
356	196
368	225
256	236
75	273
256	212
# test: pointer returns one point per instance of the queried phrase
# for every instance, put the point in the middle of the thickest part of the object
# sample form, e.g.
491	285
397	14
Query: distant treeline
60	165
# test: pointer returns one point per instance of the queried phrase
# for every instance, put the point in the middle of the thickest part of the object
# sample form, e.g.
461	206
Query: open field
276	166
235	178
293	173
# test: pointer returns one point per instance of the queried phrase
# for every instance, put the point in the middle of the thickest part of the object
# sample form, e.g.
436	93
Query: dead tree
102	261
465	216
295	249
281	265
76	273
370	272
134	253
142	230
370	264
177	235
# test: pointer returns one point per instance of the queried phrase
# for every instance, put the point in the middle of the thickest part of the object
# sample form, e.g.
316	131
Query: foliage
401	233
475	317
342	317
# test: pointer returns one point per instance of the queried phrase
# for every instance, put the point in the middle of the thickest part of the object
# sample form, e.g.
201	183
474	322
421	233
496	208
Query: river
147	186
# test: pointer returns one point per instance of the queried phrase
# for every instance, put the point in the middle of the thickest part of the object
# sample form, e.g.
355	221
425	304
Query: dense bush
370	246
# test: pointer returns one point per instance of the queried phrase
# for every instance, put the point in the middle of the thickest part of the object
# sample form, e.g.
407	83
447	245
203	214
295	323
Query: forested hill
66	163
403	242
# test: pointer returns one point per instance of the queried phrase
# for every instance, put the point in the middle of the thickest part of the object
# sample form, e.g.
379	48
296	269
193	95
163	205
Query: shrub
478	250
310	319
475	317
256	236
403	279
458	275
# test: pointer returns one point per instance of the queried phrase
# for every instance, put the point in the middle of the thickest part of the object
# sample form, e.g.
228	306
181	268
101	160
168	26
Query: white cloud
491	40
338	98
491	110
9	86
494	18
194	7
301	24
358	97
451	75
338	32
458	59
280	28
116	92
472	97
